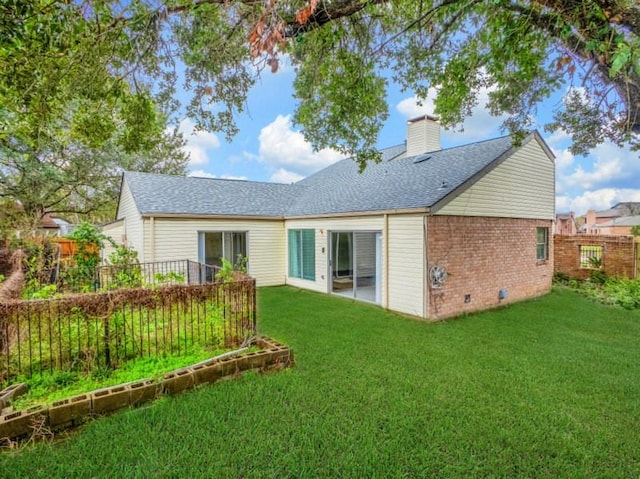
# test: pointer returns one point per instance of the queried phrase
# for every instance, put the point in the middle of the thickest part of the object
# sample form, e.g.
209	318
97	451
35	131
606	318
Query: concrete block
256	360
229	366
9	394
207	373
178	381
20	423
144	391
110	399
69	411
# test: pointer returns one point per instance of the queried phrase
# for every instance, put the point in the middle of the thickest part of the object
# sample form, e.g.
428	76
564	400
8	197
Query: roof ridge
188	177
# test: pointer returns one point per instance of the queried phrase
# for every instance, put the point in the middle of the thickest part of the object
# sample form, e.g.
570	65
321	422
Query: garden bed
42	420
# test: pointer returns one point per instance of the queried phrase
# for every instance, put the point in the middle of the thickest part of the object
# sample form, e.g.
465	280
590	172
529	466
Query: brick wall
618	255
482	256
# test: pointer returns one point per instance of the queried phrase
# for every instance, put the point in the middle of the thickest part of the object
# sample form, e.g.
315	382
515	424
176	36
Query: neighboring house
565	224
617	220
428	232
618	226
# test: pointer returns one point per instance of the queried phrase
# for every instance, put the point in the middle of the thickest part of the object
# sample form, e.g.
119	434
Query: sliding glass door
355	264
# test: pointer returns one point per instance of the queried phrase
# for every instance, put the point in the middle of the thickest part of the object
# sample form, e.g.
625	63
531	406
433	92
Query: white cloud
601	199
285	176
286	149
480	125
611	167
564	158
198	142
412	108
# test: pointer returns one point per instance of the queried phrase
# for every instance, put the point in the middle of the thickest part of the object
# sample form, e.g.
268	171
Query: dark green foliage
86	76
127	271
608	290
81	275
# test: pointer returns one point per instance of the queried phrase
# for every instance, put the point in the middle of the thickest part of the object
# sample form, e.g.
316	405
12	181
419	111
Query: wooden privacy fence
102	330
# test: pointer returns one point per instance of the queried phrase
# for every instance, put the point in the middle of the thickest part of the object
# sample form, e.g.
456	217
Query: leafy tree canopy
116	54
71	117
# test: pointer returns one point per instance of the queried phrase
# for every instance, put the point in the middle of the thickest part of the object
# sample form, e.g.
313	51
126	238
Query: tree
522	51
70	121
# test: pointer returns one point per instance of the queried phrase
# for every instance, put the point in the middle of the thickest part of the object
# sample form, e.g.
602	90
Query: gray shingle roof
397	182
156	194
620	209
621	221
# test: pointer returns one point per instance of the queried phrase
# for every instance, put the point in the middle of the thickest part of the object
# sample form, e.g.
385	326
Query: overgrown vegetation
86	334
232	271
605	289
546	389
47	388
81	274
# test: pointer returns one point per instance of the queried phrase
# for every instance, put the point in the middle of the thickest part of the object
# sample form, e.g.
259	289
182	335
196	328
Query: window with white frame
542	243
216	245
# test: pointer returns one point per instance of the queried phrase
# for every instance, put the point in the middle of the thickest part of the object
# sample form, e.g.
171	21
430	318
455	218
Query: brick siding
618	255
482	256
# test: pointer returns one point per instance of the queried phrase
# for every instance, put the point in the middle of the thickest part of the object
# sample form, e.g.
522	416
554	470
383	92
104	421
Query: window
590	257
542	244
302	254
222	244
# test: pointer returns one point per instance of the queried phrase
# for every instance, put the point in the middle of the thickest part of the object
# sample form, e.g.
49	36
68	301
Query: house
617	220
565	224
428	232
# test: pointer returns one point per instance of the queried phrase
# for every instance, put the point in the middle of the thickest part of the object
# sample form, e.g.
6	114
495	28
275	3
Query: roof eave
351	214
195	216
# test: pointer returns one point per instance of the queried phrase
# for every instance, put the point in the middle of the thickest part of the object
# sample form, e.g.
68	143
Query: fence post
254	306
106	339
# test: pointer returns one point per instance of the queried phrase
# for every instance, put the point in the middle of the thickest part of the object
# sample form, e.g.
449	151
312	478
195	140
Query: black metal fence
102	330
137	275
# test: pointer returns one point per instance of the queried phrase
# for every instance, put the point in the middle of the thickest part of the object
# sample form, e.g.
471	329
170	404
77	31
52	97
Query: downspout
385	240
152	240
425	269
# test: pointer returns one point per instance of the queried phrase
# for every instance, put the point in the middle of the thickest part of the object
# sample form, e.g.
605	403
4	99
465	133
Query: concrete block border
72	411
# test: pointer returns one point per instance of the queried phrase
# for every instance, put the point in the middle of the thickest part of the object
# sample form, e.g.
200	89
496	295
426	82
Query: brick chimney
423	135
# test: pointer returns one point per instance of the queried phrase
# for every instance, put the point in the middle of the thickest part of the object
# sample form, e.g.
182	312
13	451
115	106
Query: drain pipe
152	240
385	238
243	347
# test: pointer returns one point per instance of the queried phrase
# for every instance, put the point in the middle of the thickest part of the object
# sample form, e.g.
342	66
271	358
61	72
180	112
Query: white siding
407	264
115	231
128	211
177	239
523	186
323	228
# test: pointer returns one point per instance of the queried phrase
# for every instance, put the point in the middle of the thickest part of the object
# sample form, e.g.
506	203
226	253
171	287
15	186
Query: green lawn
547	388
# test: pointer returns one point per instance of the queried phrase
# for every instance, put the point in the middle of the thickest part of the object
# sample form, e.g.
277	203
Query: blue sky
270	148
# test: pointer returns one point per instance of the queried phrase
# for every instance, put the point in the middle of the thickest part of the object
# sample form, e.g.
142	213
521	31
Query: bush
607	290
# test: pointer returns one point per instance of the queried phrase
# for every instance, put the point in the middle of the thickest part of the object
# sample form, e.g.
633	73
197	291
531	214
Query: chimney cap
423	118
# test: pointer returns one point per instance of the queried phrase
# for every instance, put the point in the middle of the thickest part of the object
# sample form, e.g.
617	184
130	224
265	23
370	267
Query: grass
546	388
47	388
